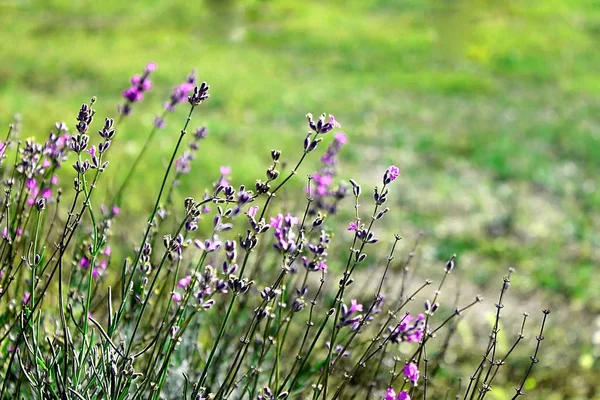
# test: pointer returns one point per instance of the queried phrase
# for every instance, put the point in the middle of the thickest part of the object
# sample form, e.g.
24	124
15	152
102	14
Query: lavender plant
227	296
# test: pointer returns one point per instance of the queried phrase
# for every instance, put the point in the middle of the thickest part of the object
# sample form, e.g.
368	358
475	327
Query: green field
490	109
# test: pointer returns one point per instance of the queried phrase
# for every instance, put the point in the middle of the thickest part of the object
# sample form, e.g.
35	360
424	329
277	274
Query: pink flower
46	193
403	396
92	151
46	163
333	122
54	180
96	272
116	210
151	66
177	297
84	262
277	222
341	137
355	306
392	172
323	266
390	394
26	298
107	251
184	282
411	371
252	211
225	170
30	184
353	226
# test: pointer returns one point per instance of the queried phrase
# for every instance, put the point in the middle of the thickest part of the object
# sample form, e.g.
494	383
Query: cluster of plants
248	291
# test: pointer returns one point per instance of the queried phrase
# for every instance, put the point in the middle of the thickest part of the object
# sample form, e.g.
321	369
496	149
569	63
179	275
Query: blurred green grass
490	109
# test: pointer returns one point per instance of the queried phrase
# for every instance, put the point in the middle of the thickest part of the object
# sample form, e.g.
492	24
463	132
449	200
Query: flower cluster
183	164
390	394
410	329
326	197
139	85
351	315
318	249
284	232
179	95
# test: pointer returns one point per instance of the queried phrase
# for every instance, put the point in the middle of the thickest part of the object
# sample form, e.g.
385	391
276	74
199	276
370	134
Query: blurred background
491	109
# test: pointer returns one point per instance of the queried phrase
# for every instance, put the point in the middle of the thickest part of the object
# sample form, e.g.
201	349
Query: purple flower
150	67
411	371
277	222
349	315
26	298
355	306
223	179
30	184
321	126
184	282
390	394
159	122
177	297
409	329
139	85
323	266
403	396
84	262
390	174
181	92
252	211
341	138
353	226
97	272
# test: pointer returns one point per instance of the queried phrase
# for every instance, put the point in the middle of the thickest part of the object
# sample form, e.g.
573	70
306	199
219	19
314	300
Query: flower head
411	371
390	174
252	211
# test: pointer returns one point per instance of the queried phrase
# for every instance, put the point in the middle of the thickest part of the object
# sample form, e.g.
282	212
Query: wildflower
327	197
26	298
390	394
139	85
355	306
200	94
411	371
184	282
224	170
403	396
177	297
323	266
390	174
409	329
97	272
286	238
84	262
181	92
353	226
252	211
321	126
349	315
